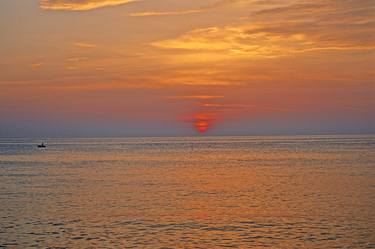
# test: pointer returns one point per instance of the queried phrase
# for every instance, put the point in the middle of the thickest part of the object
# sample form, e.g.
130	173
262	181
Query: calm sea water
211	192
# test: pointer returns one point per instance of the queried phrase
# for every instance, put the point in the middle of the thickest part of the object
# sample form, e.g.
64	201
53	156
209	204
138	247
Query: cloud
232	41
84	45
36	65
224	106
196	97
77	5
276	31
166	13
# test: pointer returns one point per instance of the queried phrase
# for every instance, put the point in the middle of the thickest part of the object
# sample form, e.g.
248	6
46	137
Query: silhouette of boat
41	145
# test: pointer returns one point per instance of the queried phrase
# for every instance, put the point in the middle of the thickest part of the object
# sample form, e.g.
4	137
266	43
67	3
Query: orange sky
167	67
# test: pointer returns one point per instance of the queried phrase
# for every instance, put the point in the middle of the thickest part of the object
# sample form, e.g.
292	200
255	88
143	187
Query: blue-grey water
206	192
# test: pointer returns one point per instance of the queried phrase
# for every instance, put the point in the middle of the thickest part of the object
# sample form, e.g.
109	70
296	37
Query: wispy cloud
77	5
196	97
224	106
36	65
84	45
166	13
276	31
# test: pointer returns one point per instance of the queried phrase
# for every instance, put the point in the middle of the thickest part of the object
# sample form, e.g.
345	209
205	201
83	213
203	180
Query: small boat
41	145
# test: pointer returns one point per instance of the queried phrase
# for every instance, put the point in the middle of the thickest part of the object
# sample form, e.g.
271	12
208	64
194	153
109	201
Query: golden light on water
211	192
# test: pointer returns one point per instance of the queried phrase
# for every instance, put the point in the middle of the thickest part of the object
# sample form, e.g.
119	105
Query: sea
189	192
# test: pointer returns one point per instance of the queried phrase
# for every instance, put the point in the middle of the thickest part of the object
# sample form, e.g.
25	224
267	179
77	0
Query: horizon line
190	136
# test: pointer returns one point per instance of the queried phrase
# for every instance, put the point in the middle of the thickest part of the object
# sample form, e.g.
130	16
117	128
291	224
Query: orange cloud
225	106
282	30
36	65
258	41
84	45
217	43
200	97
79	5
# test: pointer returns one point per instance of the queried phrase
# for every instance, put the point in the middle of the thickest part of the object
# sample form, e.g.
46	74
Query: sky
98	68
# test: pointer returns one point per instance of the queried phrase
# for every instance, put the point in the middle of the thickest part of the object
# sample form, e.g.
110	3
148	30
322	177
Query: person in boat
41	145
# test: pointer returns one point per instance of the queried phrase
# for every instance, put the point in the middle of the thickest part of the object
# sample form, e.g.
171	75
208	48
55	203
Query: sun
201	126
202	122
